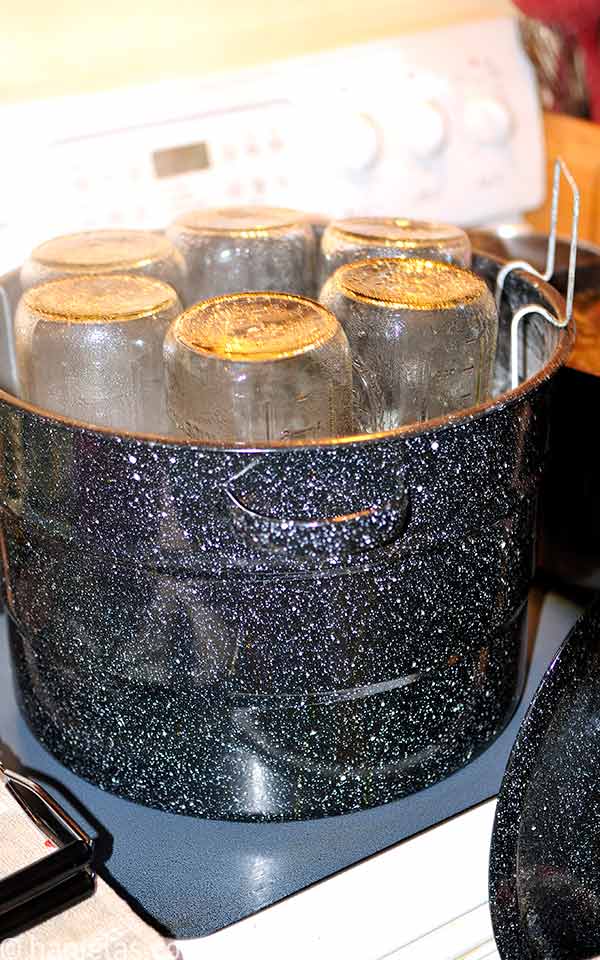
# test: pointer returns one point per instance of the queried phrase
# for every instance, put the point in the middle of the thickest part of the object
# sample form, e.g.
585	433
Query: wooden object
578	143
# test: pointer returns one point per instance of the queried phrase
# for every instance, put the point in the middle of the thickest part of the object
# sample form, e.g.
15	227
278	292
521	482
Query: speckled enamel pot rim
508	398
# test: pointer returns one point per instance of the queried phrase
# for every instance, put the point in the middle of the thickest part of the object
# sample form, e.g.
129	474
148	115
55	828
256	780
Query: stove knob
424	129
488	120
356	141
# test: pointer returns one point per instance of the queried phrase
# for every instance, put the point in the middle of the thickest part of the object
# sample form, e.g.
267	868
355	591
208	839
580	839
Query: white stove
440	124
425	899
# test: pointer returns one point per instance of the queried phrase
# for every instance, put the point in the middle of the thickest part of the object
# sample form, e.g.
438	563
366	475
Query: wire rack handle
530	308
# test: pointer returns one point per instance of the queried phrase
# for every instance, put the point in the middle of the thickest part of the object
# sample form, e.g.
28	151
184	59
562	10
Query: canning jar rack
7	345
530	308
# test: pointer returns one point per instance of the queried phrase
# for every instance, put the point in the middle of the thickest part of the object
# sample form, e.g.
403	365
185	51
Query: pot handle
365	529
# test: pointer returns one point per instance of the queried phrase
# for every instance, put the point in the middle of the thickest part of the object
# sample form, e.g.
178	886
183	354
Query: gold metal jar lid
409	284
102	250
397	232
241	221
255	326
99	298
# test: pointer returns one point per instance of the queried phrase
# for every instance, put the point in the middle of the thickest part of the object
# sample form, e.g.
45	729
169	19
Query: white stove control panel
444	123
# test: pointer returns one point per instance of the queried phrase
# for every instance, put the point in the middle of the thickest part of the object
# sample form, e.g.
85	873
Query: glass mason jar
106	251
237	249
258	367
91	348
422	336
362	238
318	224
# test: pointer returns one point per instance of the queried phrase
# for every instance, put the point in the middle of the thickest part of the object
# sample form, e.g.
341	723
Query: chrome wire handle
531	308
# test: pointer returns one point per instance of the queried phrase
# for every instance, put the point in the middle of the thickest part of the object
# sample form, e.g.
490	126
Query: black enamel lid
545	855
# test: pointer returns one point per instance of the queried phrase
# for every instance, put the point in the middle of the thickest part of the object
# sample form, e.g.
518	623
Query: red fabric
580	18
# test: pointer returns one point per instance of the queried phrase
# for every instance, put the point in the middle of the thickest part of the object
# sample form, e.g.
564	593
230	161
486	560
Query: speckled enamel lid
544	862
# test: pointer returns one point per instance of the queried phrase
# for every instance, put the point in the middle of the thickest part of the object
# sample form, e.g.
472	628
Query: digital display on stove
184	159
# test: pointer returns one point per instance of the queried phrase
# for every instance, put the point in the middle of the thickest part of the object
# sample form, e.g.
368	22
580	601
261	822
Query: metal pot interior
543	349
516	243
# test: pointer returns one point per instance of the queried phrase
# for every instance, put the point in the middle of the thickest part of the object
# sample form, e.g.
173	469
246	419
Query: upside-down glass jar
362	238
258	367
91	348
236	249
106	251
422	336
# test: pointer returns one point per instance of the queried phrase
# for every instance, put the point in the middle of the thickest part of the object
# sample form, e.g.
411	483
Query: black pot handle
365	529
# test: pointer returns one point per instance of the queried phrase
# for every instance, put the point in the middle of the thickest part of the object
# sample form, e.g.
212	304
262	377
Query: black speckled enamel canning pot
283	632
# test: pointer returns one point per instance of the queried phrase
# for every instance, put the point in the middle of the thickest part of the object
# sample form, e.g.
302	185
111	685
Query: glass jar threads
422	335
236	249
362	238
106	251
91	348
258	367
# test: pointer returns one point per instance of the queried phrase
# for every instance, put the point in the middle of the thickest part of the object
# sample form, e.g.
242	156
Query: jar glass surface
237	249
91	348
106	251
361	238
422	336
258	367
